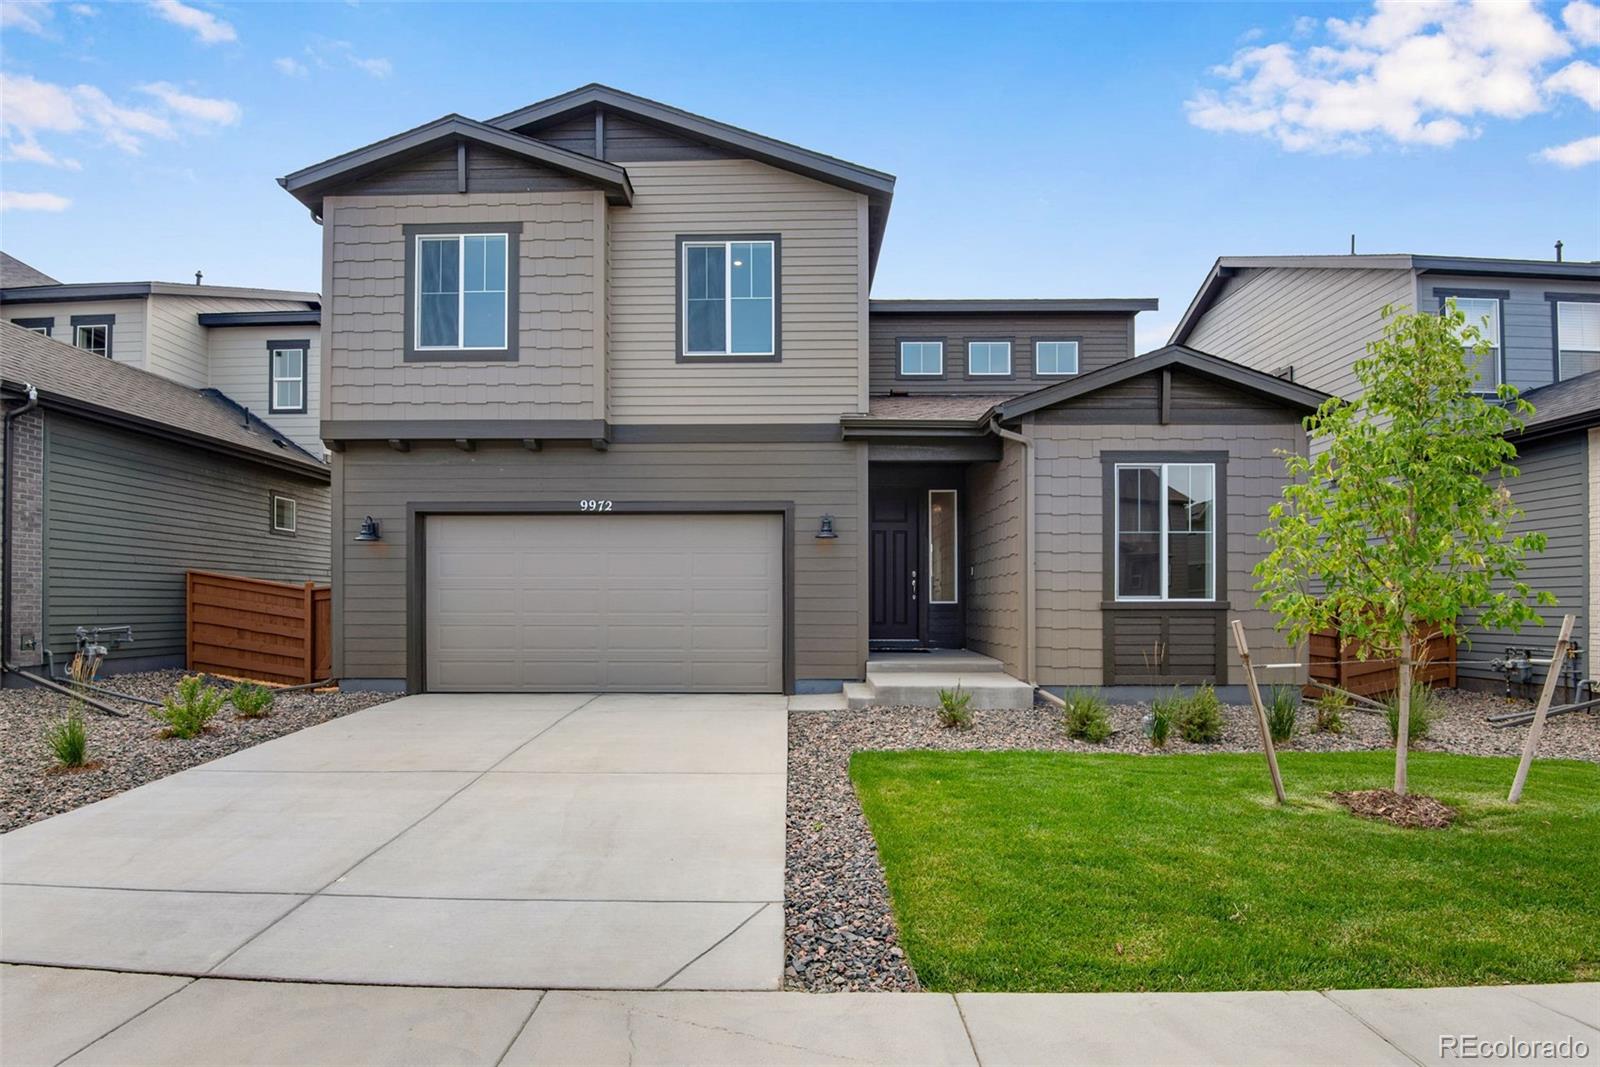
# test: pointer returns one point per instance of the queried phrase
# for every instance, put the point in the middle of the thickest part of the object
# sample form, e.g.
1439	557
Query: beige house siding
1316	320
177	341
558	336
240	369
830	626
995	555
822	318
1069	483
127	333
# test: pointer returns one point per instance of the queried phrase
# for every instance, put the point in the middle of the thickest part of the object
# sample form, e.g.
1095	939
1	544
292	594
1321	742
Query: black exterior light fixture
825	531
369	530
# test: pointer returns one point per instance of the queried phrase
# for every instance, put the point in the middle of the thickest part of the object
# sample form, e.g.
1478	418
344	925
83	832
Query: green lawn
1052	871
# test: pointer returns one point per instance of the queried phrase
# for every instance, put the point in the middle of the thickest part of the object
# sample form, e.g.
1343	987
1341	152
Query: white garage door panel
605	602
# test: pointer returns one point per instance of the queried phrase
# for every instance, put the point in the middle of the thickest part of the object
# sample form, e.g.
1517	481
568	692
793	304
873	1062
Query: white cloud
324	53
376	66
1583	21
201	109
1580	79
1423	73
207	28
29	15
290	66
83	11
1579	153
11	200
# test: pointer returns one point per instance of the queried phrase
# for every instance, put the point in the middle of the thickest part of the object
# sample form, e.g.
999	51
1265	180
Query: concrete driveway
561	841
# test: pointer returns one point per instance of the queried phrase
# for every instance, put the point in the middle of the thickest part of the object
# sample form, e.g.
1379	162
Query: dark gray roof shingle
14	273
1575	401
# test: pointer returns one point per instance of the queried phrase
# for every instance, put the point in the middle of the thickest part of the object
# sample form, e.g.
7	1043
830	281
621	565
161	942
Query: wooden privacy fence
1336	661
254	628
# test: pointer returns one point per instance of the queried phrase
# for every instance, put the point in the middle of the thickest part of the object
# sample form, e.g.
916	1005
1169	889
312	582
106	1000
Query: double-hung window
1165	540
729	290
1484	314
463	293
287	367
1052	358
986	358
1577	338
921	359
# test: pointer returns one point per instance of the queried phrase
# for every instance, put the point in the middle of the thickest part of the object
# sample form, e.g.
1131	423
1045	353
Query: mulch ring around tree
1412	811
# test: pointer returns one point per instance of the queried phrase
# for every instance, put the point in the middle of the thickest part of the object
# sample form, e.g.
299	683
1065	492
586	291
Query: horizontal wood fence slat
255	628
1336	661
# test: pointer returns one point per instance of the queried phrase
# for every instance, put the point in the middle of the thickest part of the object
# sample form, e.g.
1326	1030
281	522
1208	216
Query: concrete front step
940	660
990	690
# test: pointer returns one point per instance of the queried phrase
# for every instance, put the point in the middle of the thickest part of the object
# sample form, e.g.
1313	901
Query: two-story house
611	407
1309	318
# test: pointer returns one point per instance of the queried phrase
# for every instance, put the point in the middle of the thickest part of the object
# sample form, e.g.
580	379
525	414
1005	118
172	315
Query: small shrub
1086	716
69	740
954	713
1282	704
1200	717
1330	709
1163	712
250	700
1423	712
189	708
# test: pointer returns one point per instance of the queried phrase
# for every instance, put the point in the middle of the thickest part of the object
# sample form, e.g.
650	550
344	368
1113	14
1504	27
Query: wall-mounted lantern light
825	531
369	530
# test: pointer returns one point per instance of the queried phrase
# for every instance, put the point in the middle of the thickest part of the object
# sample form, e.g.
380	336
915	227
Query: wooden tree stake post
1551	680
1261	712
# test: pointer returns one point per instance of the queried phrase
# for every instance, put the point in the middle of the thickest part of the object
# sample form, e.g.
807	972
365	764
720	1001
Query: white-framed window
284	514
42	326
288	388
1577	338
95	338
730	305
1055	357
988	358
1484	314
944	542
461	291
921	359
1165	538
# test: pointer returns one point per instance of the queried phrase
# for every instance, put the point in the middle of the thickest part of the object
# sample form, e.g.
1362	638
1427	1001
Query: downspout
5	520
1029	639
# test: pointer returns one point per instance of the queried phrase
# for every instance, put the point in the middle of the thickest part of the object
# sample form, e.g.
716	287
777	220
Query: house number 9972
594	505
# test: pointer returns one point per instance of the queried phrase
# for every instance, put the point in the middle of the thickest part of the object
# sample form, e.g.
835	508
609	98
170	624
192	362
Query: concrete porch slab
48	1013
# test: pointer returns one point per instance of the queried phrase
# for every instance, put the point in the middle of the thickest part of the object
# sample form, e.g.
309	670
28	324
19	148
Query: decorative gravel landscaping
840	932
131	751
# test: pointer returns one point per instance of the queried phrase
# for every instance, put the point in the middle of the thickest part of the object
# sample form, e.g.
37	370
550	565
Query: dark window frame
513	235
678	324
1554	300
108	321
1500	296
304	345
944	359
273	496
1051	340
45	324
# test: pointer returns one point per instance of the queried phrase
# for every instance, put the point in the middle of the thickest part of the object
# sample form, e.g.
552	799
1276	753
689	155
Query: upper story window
1165	531
461	292
1483	313
44	326
1055	357
921	359
1577	338
287	368
988	358
729	292
93	333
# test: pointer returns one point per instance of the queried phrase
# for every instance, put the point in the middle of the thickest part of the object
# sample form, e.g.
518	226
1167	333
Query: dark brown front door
893	564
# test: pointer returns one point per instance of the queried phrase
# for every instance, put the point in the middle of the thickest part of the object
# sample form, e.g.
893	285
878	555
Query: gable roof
1227	266
1266	385
310	183
83	383
1570	405
877	185
14	272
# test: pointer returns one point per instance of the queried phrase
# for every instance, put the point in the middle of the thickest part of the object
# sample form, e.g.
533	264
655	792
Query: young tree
1400	523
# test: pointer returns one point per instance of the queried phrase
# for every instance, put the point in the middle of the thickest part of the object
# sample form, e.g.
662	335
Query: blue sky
1061	150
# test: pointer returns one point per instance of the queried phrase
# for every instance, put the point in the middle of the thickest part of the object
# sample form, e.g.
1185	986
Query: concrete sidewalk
52	1015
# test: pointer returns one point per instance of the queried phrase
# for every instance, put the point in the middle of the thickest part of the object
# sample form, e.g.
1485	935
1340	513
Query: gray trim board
1010	307
304	345
45	323
726	433
509	354
777	299
56	294
108	321
450	429
214	319
416	554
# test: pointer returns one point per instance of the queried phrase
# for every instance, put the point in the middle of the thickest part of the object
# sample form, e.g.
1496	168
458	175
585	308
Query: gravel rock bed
839	933
130	751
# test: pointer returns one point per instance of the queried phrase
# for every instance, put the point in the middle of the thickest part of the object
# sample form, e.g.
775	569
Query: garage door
584	603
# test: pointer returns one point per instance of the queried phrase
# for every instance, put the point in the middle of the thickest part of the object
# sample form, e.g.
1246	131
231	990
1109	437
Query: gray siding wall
830	637
1317	320
127	333
240	368
178	343
488	171
559	369
1103	340
996	558
1527	324
127	515
1553	489
1594	547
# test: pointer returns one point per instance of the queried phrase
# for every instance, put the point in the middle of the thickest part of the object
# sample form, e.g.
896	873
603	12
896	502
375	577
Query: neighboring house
1309	318
118	481
610	408
261	347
